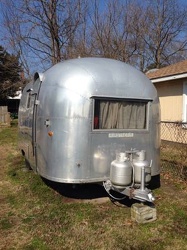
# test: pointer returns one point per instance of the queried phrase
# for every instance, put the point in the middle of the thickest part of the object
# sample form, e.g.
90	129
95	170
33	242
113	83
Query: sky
3	31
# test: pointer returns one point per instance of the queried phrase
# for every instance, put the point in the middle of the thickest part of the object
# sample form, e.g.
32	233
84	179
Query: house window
184	118
120	114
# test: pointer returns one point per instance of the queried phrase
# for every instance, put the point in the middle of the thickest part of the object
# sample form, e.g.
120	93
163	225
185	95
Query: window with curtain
120	114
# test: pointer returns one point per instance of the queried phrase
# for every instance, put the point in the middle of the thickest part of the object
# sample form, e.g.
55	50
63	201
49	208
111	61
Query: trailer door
35	94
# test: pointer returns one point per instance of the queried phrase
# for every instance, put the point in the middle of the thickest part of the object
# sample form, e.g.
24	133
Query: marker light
50	133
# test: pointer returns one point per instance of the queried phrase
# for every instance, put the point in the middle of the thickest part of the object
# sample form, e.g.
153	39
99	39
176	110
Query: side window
119	114
29	100
184	118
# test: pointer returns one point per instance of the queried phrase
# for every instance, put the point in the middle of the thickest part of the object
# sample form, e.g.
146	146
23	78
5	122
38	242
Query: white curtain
122	115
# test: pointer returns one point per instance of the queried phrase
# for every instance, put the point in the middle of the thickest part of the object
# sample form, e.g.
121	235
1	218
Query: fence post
4	116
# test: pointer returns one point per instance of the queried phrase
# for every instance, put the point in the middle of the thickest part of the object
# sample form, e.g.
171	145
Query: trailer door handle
47	123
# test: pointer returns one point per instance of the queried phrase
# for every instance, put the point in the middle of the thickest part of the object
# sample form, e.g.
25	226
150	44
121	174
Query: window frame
184	105
148	104
29	100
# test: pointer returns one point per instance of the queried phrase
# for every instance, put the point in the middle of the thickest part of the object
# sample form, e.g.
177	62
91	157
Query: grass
174	158
35	216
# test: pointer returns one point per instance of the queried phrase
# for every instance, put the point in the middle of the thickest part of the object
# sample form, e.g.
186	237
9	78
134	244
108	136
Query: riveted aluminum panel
75	153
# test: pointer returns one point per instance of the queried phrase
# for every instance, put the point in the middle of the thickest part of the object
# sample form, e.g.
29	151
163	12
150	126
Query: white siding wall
184	115
171	100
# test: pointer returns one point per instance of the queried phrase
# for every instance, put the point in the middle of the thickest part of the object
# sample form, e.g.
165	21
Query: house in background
171	84
17	95
11	104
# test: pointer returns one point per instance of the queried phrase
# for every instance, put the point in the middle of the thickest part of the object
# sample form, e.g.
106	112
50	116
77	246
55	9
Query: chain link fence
174	148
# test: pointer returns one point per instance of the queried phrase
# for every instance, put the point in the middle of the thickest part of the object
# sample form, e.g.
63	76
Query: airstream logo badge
114	135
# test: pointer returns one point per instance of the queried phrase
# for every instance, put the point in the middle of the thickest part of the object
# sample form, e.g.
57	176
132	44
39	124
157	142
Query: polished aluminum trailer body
57	131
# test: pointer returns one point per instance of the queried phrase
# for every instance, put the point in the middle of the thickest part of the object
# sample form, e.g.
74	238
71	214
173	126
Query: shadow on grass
77	191
88	192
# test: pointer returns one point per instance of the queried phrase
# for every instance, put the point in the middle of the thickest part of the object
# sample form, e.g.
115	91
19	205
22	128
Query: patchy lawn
35	216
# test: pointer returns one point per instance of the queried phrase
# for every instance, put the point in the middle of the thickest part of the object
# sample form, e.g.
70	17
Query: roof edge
169	78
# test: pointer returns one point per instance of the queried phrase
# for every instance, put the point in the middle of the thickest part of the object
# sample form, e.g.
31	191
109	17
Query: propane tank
121	171
138	163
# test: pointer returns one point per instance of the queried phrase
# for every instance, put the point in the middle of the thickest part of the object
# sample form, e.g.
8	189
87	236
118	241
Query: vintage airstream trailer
93	120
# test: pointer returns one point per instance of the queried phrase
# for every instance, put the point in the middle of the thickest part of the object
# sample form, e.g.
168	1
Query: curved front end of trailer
84	113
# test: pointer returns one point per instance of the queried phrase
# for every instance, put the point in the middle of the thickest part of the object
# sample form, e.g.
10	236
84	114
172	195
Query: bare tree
13	37
164	24
44	27
143	33
119	30
78	42
112	36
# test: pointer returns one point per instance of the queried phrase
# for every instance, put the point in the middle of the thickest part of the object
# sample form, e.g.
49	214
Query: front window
120	114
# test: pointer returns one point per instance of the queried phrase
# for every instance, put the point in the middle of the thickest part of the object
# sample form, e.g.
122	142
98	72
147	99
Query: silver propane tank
121	171
138	163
